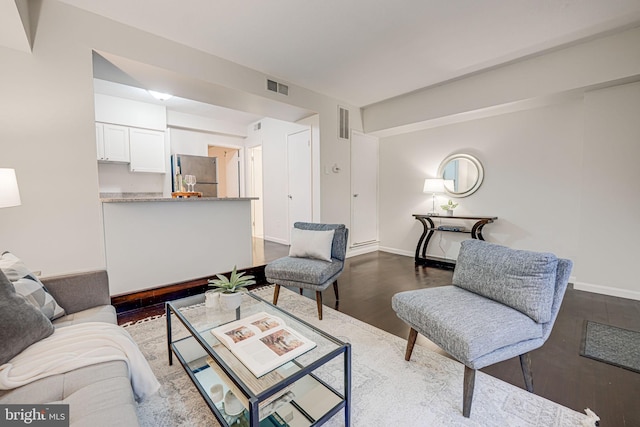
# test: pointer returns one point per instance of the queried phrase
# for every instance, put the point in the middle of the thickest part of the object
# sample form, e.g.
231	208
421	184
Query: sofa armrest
79	291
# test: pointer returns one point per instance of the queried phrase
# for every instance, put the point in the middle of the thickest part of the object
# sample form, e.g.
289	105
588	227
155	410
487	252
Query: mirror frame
474	161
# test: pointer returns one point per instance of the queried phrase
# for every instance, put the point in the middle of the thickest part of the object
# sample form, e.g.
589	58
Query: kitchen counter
171	199
158	241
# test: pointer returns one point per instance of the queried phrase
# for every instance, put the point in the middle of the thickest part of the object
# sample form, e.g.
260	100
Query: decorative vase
230	301
450	212
211	299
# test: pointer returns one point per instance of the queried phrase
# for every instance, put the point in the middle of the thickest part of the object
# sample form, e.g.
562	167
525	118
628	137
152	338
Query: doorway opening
228	170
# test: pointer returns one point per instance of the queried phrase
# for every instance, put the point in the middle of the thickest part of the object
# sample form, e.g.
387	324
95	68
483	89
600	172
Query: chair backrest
562	280
339	245
524	280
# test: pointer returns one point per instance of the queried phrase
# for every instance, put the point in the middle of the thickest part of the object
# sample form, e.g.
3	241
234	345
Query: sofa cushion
311	244
523	280
21	323
98	395
466	325
103	313
29	286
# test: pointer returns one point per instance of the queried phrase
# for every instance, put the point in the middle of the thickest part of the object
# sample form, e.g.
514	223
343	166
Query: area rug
612	345
387	390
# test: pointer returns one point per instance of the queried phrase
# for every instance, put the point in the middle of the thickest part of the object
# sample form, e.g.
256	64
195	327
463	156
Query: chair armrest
79	291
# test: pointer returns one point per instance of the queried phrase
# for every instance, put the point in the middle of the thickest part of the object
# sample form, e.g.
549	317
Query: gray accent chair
309	273
503	303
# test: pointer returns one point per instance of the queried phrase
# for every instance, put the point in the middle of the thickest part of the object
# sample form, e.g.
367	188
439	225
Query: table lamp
433	186
9	194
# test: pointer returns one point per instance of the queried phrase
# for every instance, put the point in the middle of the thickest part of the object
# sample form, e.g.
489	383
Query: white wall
118	178
532	162
48	135
610	193
553	176
558	135
273	138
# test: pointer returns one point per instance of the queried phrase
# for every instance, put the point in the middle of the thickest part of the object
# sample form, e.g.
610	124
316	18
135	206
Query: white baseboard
276	240
607	290
397	251
361	250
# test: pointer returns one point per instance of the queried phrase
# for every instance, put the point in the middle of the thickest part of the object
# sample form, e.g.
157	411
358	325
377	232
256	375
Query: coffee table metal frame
254	400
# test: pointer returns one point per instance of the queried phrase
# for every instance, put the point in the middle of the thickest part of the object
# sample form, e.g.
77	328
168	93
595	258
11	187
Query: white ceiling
175	103
365	51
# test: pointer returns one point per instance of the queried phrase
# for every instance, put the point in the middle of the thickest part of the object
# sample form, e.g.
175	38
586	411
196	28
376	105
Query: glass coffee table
305	391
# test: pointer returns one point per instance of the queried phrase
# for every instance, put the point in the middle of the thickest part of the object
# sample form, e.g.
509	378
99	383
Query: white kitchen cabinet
112	143
147	151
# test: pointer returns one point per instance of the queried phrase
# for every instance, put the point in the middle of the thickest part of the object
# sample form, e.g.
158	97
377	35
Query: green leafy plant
232	284
449	206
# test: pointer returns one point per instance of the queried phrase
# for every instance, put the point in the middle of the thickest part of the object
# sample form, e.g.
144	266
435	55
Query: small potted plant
231	288
449	207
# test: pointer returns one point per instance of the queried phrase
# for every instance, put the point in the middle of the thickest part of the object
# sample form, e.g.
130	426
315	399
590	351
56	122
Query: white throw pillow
311	244
27	284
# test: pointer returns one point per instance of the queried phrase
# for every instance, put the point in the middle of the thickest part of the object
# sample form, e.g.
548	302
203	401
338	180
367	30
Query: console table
429	229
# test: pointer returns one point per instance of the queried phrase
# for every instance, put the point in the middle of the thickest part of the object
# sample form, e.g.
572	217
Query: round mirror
462	174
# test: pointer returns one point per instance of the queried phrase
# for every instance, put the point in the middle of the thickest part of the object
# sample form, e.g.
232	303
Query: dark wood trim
161	294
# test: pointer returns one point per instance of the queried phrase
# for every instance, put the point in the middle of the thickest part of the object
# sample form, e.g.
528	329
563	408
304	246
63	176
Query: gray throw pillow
523	280
27	284
22	323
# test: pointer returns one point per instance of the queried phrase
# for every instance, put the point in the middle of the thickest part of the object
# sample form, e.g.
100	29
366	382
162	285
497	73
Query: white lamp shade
433	185
9	194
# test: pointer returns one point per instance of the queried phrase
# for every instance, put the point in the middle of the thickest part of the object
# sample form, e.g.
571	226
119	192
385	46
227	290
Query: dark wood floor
560	373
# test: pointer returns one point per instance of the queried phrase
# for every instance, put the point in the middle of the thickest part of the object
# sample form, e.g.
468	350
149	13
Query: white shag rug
386	390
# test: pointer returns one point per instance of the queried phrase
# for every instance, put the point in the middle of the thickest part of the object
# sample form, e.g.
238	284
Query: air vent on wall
257	126
276	87
343	123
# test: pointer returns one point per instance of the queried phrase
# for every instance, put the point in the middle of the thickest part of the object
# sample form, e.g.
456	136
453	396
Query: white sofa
98	395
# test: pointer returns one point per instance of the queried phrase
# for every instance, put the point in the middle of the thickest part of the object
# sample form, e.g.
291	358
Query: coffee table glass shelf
306	391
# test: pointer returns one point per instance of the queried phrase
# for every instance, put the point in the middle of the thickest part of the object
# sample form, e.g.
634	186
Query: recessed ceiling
175	103
365	51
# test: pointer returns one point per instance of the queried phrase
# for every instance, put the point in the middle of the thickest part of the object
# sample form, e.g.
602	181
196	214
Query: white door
364	189
255	171
299	177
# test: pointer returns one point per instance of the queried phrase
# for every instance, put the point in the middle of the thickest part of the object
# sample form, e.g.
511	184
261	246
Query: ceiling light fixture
159	95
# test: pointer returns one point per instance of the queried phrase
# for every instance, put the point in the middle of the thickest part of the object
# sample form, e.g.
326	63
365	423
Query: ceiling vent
276	87
343	123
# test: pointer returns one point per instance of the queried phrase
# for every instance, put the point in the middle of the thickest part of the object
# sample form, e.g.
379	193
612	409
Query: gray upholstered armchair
311	267
502	304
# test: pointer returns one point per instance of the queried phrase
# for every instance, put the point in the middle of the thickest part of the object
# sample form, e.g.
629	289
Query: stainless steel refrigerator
205	169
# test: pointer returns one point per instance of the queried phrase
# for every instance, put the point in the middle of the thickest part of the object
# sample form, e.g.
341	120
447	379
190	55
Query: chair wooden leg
335	290
525	363
319	301
411	341
469	382
276	293
300	291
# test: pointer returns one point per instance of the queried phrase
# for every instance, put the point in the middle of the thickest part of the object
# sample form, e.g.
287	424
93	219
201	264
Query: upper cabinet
143	149
113	143
147	151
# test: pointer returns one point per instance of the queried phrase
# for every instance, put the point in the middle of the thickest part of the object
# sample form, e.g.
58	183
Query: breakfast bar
151	242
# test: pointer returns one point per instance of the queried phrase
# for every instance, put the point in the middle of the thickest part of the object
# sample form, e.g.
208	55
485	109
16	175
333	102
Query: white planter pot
230	301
